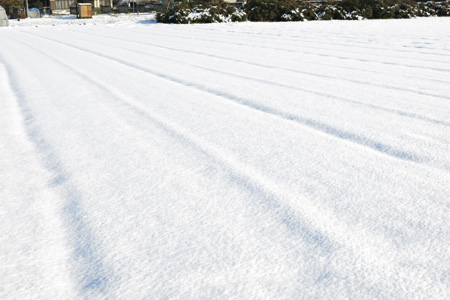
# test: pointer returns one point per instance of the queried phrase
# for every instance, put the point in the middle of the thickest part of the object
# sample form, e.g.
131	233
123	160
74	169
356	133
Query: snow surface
63	21
224	161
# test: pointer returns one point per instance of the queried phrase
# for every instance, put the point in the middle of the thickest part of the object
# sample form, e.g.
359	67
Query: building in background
61	5
64	5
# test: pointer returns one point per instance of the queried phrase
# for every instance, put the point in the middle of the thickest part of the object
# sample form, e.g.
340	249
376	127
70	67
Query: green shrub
443	9
270	10
381	9
204	11
208	11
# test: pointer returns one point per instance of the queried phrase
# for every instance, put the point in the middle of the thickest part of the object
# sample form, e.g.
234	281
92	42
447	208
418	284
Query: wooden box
84	11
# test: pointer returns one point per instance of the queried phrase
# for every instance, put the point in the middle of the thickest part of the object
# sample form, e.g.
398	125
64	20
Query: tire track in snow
312	53
310	123
300	219
33	239
313	223
265	36
92	275
308	46
312	63
296	88
322	76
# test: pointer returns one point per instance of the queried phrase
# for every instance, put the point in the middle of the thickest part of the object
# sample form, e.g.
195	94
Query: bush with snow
202	12
294	10
211	11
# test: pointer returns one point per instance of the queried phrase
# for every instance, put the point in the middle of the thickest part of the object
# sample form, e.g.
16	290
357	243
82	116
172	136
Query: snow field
242	161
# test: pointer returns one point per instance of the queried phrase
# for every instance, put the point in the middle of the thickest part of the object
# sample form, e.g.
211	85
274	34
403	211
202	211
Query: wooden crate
84	11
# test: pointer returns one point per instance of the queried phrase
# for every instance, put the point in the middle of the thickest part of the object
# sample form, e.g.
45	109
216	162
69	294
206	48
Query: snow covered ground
97	20
224	161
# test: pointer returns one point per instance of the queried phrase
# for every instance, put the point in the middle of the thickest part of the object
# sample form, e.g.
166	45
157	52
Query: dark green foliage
175	15
380	9
207	11
332	13
308	11
203	11
270	10
11	3
36	4
305	11
442	9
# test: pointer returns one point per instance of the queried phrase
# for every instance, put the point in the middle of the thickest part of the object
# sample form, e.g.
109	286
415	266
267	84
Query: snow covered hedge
352	10
211	11
205	11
